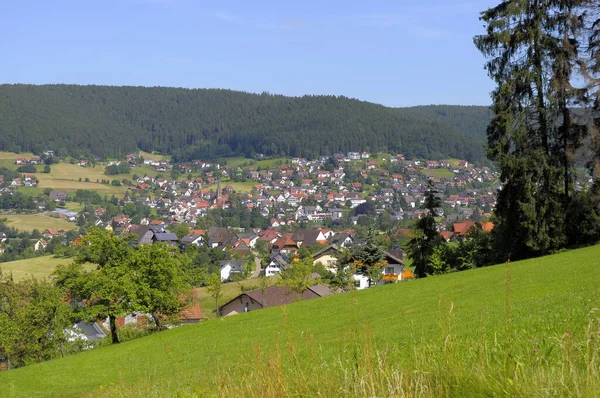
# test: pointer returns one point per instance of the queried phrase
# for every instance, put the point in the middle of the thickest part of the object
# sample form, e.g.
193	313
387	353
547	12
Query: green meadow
438	173
29	222
38	267
527	329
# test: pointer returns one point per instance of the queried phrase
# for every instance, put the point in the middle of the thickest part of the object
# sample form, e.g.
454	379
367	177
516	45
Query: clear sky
393	52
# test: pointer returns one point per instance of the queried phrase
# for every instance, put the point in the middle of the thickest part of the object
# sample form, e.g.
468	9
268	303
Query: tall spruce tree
532	51
425	237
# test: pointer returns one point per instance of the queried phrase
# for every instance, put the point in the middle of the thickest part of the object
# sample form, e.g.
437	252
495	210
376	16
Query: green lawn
29	222
525	329
438	173
39	267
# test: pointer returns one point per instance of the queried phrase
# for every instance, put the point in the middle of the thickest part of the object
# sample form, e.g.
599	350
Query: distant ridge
207	123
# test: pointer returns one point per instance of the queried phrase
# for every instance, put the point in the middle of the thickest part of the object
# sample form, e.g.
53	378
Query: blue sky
392	52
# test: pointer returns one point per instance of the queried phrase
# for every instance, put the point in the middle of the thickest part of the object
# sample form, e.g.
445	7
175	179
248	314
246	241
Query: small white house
277	263
229	267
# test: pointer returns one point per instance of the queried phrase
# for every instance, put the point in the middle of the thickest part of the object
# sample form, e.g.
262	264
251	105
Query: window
389	270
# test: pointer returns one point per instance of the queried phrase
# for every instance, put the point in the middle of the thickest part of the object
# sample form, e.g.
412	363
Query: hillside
528	328
204	123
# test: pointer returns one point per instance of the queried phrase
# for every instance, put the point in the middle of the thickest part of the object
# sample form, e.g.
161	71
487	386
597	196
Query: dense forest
207	123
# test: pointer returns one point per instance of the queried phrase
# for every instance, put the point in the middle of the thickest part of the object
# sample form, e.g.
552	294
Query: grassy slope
39	267
438	173
29	222
526	329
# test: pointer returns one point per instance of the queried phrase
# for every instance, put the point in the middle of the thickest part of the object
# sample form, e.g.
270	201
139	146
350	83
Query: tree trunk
113	329
156	318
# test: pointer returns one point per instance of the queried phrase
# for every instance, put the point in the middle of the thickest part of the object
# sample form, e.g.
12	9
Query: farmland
527	328
38	267
438	173
29	222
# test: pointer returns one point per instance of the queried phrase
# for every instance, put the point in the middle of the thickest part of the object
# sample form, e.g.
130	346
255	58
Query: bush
116	183
27	168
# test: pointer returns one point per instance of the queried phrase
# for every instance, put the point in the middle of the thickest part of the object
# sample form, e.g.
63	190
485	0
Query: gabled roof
166	237
461	228
193	312
308	237
330	248
236	265
191	238
277	295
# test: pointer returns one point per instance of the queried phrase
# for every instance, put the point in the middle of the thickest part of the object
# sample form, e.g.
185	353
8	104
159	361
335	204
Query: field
154	156
7	159
66	177
263	164
39	267
438	173
237	186
29	222
529	328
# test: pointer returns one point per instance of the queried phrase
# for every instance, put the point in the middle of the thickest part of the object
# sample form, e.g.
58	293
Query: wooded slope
206	123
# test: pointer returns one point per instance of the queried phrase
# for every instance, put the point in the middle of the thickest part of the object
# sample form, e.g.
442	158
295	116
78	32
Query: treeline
202	123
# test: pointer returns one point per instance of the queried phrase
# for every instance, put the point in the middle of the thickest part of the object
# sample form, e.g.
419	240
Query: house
50	233
462	228
277	263
220	237
309	238
41	244
229	267
391	272
192	239
170	239
144	233
2	236
285	245
342	240
58	196
328	257
193	313
270	297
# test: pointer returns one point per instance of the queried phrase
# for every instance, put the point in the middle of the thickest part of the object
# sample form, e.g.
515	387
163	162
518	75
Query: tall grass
526	329
563	363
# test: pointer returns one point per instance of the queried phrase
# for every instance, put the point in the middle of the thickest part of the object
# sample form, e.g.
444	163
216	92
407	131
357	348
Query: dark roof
57	195
93	331
327	249
220	236
166	236
277	295
339	238
321	290
393	259
236	265
307	237
190	238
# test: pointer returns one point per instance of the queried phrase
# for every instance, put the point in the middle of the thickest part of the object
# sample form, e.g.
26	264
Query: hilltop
82	121
527	328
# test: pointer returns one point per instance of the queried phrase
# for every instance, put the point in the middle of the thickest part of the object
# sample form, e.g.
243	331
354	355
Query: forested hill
204	123
471	120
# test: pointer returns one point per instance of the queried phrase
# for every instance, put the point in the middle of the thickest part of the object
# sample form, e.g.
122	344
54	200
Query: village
293	205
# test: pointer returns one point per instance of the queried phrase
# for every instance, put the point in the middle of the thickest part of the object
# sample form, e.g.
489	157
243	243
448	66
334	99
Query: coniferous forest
207	123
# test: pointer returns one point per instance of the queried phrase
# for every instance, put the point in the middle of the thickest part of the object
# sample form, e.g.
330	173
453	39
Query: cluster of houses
279	192
35	160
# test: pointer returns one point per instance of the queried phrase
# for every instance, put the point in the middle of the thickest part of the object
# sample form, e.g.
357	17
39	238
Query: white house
229	267
276	264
